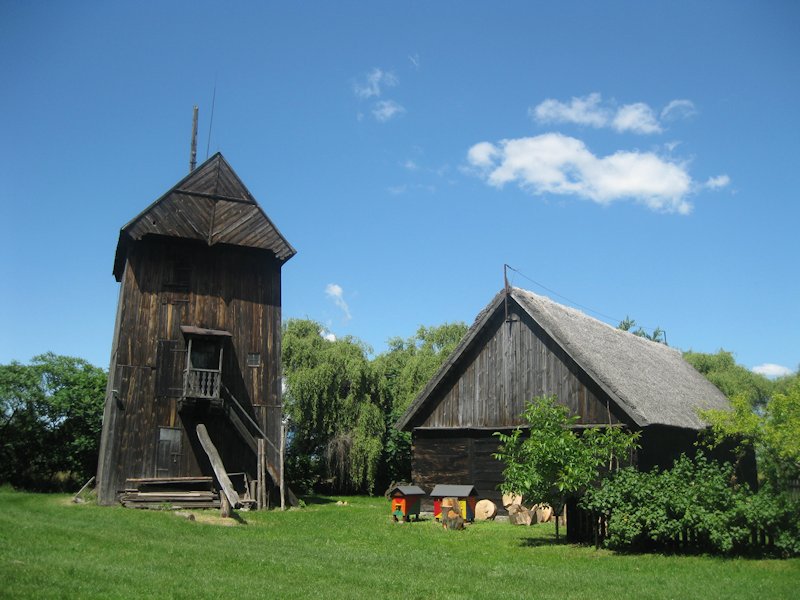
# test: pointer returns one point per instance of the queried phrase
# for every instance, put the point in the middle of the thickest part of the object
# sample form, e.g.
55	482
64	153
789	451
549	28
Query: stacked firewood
519	514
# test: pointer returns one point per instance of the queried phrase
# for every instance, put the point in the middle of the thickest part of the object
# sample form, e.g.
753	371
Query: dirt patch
212	519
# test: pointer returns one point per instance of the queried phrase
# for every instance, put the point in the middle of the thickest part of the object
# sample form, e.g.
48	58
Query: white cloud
386	109
482	154
636	118
582	111
678	109
414	58
771	370
591	110
558	164
327	335
410	165
720	181
336	293
373	83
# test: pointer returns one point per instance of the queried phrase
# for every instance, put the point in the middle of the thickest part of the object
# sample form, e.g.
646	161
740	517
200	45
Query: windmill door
168	460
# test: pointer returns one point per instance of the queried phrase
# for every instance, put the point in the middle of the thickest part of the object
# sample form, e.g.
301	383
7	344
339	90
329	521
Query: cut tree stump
485	510
544	513
519	515
509	499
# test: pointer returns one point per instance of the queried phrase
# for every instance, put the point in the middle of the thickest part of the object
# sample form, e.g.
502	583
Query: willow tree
403	370
336	427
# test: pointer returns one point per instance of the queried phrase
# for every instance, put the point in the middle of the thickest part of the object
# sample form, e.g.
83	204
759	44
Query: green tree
50	421
658	334
403	370
773	430
551	462
732	379
336	428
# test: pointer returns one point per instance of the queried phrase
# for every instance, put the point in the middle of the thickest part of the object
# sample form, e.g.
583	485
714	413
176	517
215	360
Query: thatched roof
211	205
649	381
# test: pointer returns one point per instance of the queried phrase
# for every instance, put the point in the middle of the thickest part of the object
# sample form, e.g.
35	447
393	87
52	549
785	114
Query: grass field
51	548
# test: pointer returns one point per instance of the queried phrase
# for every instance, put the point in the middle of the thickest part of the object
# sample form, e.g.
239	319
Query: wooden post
225	506
282	450
193	153
261	482
75	498
228	492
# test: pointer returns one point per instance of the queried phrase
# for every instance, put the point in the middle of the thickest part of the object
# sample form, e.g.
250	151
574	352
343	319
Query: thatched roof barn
524	345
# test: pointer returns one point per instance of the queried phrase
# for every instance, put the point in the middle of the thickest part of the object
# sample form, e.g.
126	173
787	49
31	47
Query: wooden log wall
509	365
168	283
463	457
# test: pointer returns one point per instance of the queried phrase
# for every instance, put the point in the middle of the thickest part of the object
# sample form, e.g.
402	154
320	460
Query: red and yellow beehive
406	501
467	498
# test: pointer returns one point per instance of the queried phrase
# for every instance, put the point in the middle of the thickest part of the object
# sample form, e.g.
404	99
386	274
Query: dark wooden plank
217	466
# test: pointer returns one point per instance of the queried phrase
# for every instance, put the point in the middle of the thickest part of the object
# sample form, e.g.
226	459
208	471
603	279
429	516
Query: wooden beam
242	430
219	468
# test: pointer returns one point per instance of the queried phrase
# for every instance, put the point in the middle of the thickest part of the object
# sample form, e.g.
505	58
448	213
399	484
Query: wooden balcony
202	383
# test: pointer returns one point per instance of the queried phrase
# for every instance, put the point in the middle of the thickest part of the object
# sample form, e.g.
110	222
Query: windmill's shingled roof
212	205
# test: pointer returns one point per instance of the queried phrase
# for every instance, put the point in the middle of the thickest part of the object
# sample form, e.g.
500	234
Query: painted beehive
467	498
406	501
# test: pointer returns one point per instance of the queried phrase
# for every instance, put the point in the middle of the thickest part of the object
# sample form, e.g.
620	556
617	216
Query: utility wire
211	120
591	310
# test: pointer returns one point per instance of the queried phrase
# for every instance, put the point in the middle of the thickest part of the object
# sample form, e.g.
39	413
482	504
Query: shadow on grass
238	518
312	500
538	542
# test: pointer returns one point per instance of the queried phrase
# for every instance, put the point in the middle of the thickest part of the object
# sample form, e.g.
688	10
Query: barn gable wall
509	364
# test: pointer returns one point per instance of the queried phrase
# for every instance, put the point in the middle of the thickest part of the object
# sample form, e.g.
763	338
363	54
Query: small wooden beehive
406	501
467	498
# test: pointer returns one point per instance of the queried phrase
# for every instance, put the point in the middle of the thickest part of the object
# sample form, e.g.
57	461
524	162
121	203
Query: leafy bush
50	421
550	461
693	505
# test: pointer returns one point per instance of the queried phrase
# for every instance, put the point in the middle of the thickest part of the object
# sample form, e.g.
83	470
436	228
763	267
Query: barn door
168	459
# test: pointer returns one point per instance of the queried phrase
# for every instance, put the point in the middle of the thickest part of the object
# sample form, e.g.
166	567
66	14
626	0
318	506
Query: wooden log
520	515
453	520
509	499
219	469
544	513
225	507
514	508
76	497
485	510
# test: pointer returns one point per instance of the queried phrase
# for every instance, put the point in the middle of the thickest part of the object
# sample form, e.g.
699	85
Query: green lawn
52	548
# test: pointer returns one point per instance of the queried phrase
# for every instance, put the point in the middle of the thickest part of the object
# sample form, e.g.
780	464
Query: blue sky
636	158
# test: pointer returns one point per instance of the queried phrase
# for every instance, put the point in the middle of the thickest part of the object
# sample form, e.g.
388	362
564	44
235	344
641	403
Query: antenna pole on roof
507	289
193	154
211	120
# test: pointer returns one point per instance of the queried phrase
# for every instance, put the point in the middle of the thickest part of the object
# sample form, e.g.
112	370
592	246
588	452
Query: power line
579	305
211	121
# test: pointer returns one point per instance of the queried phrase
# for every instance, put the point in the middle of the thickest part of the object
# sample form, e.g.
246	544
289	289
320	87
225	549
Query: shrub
693	505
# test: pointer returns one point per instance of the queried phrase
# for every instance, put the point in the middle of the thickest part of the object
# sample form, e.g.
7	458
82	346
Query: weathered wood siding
168	283
511	363
462	457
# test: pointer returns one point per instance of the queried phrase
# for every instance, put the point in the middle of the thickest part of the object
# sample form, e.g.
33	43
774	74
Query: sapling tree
548	461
